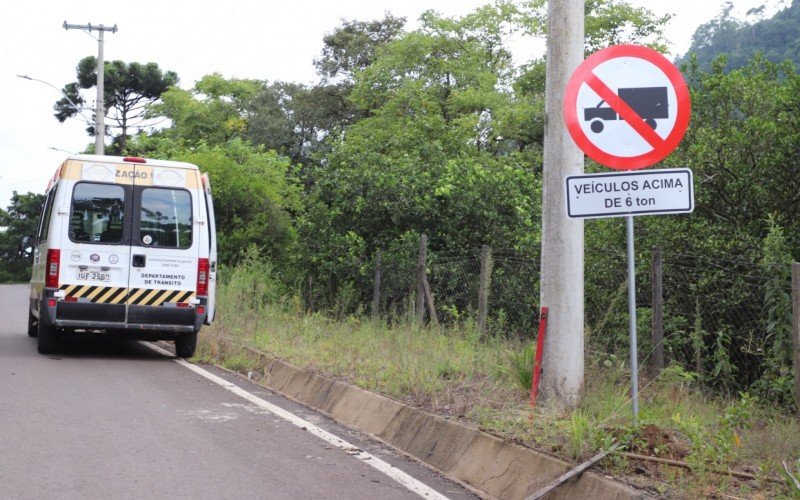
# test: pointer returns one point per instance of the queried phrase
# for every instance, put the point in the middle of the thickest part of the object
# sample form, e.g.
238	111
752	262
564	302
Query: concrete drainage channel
484	462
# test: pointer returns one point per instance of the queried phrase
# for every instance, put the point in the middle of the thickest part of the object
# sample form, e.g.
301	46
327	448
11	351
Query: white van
125	246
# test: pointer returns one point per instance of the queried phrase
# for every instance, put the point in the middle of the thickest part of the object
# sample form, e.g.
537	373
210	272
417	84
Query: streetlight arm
74	106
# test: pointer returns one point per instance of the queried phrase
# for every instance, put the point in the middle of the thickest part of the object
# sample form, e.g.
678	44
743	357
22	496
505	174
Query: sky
259	39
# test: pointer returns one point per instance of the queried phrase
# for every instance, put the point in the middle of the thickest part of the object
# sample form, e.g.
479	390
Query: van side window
98	212
166	218
44	224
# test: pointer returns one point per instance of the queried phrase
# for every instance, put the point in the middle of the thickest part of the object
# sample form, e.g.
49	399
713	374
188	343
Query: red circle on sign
662	147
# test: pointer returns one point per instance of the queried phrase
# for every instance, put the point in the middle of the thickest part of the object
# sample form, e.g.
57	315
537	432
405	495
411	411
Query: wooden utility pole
658	312
421	263
796	333
100	112
424	294
376	287
562	238
483	290
429	300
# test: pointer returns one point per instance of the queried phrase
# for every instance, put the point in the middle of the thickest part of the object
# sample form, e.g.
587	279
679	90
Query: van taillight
202	276
51	271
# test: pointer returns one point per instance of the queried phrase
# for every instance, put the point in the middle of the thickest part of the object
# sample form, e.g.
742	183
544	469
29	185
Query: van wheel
185	345
48	339
33	327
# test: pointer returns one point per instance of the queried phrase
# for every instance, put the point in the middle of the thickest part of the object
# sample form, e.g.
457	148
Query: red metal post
537	365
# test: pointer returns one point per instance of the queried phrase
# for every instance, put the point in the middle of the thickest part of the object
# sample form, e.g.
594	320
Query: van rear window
166	218
98	212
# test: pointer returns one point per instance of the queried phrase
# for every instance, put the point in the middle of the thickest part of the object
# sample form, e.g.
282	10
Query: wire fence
725	319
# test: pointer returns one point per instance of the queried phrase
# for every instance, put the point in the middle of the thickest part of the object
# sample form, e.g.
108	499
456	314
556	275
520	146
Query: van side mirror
26	247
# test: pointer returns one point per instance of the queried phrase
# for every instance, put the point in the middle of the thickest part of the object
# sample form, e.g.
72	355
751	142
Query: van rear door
95	245
164	250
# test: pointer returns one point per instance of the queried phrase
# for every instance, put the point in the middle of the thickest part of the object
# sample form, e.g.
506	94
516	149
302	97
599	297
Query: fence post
429	300
310	293
421	262
796	332
658	311
483	290
376	287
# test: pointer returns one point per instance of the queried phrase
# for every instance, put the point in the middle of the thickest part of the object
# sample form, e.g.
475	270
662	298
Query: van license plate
93	276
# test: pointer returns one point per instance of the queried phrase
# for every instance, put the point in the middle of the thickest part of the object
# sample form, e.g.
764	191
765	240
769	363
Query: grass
483	382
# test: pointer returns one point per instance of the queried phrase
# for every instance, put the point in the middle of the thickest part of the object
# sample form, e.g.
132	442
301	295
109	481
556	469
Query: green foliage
129	90
254	195
580	430
519	366
426	160
353	46
743	145
725	371
777	381
740	40
792	478
426	131
718	445
250	285
212	113
610	22
19	219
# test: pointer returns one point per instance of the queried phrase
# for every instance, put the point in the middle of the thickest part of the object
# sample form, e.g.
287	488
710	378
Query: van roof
121	159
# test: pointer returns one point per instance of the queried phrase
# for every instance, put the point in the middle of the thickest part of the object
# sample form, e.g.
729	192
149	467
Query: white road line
401	477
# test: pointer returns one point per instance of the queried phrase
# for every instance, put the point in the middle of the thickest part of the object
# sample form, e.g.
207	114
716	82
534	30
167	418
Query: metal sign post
632	321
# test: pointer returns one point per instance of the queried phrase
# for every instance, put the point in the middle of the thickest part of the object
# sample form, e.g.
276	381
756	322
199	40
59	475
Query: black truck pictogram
650	103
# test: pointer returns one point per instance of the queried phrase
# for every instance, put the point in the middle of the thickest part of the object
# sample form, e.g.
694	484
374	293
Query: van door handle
139	260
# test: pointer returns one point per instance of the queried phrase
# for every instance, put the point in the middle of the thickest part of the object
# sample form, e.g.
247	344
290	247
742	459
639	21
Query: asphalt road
109	419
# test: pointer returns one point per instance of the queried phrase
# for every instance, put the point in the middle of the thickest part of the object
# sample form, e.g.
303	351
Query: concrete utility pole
562	238
100	112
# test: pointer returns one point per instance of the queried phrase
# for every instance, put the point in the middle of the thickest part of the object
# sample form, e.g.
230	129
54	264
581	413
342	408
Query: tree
448	143
422	158
776	38
20	218
213	112
295	120
354	45
612	22
255	193
129	88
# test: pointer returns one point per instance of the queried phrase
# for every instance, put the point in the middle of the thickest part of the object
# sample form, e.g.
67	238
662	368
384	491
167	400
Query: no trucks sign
627	107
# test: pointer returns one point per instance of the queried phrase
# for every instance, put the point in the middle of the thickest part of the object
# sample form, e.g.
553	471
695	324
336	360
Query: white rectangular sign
622	194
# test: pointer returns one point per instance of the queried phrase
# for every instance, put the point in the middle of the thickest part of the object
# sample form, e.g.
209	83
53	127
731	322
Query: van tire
48	338
185	345
33	327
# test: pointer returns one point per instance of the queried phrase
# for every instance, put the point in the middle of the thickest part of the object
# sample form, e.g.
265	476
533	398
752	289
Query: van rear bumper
151	322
